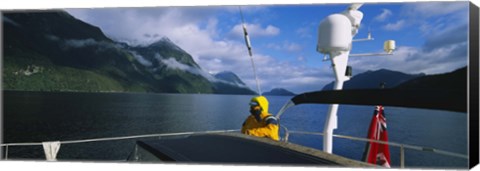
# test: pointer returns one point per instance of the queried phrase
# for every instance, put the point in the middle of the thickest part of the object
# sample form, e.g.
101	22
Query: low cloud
172	63
151	36
395	26
383	16
141	59
80	43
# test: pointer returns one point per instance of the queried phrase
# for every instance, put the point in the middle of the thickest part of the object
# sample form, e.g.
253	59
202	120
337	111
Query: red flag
377	153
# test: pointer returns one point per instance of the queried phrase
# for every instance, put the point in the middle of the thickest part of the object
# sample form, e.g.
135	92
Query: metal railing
401	146
285	139
111	139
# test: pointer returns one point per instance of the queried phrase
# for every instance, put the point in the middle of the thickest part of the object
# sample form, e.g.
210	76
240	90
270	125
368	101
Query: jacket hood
262	101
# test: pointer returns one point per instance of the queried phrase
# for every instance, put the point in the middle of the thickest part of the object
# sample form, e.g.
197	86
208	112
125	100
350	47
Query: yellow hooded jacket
266	127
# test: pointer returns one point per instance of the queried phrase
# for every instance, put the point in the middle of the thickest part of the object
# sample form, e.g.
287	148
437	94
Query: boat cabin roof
234	148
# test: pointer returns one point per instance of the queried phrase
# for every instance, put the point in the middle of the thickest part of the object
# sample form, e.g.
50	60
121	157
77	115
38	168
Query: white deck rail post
402	157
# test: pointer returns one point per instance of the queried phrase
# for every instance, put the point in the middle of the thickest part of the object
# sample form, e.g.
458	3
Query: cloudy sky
431	38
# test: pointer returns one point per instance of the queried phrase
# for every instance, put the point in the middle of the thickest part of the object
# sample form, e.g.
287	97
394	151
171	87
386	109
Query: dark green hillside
75	56
279	92
54	78
53	51
27	70
229	83
455	80
372	79
224	88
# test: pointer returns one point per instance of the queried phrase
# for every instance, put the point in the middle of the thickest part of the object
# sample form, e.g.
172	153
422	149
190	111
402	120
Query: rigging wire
249	47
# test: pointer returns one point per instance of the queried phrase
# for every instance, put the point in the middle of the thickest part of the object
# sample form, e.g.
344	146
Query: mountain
230	77
372	80
279	92
455	80
172	68
229	83
164	49
53	51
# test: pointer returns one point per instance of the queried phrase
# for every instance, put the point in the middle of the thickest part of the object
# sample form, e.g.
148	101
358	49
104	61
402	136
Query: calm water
37	117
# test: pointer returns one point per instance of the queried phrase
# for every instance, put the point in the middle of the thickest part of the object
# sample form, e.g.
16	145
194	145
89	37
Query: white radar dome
334	34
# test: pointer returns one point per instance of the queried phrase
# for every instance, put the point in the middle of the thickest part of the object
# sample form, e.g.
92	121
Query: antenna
355	6
249	47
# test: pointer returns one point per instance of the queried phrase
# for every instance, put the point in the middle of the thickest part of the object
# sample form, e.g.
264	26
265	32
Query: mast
335	35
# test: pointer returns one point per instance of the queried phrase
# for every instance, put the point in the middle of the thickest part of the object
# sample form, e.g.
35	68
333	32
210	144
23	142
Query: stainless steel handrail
112	139
287	134
401	146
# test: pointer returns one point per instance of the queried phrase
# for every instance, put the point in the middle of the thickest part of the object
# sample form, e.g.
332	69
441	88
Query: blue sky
431	38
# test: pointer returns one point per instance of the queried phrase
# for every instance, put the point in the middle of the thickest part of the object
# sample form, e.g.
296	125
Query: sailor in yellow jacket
260	123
